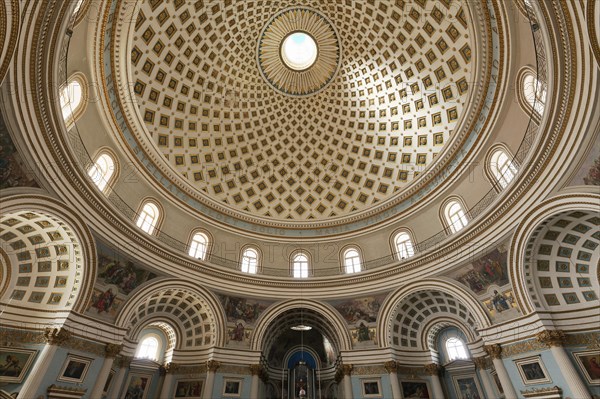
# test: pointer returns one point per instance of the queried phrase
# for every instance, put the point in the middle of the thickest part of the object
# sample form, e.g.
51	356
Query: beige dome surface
389	110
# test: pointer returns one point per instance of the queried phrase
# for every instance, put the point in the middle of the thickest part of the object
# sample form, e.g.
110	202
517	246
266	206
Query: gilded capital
255	369
551	338
495	351
171	367
433	369
112	350
213	365
56	336
481	362
391	366
347	369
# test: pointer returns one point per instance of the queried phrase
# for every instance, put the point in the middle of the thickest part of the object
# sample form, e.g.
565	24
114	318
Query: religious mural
13	172
589	172
118	276
361	313
487	278
241	314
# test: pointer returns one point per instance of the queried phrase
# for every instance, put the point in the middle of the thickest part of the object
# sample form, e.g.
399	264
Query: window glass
148	218
503	168
148	349
456	216
300	266
101	171
198	246
535	93
250	261
456	349
404	247
71	97
352	261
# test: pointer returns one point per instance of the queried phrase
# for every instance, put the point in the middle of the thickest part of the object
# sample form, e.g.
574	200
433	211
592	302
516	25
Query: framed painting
589	364
232	387
467	387
15	363
75	369
189	389
137	386
415	389
371	388
532	371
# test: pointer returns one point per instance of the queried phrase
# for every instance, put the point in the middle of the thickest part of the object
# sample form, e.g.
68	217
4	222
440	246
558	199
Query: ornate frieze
213	365
433	369
112	350
391	366
495	351
369	370
482	362
551	338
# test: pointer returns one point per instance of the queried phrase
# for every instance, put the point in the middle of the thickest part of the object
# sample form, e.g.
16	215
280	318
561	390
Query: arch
402	243
386	316
73	98
34	200
433	329
338	327
187	292
149	216
250	259
531	93
104	170
500	166
300	264
351	259
453	214
519	246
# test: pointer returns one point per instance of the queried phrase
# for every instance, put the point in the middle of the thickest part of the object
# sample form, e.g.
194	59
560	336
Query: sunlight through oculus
299	51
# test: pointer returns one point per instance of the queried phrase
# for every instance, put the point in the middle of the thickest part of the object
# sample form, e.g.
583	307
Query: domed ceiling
362	122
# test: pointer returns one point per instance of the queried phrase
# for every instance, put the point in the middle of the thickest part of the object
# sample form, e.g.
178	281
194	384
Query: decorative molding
551	338
190	370
590	340
255	369
548	393
411	371
124	361
369	370
531	345
347	369
56	336
55	391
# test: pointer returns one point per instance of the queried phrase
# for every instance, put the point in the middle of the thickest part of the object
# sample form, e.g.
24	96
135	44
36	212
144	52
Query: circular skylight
299	51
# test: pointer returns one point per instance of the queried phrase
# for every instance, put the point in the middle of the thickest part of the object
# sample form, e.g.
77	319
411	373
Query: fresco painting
13	172
245	309
355	310
502	305
483	272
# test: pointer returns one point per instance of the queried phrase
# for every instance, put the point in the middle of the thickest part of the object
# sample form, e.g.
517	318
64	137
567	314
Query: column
255	370
555	339
165	390
481	363
124	362
392	368
347	372
110	352
433	369
495	352
212	366
54	338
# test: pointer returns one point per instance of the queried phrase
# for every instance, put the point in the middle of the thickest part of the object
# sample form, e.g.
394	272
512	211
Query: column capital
391	366
124	361
56	336
347	369
255	369
433	368
213	365
494	350
112	350
551	338
481	362
171	367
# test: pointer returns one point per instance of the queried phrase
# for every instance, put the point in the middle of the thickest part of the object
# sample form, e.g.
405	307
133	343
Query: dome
219	113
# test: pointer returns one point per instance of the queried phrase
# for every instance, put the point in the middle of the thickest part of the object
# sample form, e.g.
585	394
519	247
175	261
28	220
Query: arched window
456	349
148	218
502	168
455	216
300	265
352	261
535	93
404	246
148	349
250	261
199	246
71	100
102	171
